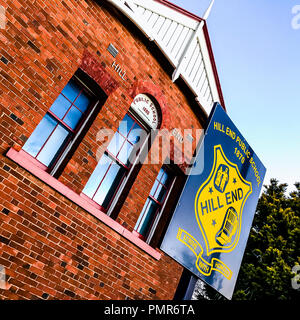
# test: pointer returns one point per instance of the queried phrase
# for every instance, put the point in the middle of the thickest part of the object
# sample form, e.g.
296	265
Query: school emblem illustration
219	205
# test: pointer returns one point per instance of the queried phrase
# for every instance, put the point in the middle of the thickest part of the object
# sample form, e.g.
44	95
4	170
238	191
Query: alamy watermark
156	147
2	278
296	279
2	17
296	17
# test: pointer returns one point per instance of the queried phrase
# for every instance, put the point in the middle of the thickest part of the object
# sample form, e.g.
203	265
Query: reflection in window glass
39	135
53	145
109	184
154	203
125	153
98	174
106	178
82	102
154	188
57	127
160	174
135	134
160	193
60	106
165	179
125	126
147	216
115	144
71	90
73	117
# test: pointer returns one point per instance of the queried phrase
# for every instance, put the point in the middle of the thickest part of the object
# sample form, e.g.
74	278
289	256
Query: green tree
273	247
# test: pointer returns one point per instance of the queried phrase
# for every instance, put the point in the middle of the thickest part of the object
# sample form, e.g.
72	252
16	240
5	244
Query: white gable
181	38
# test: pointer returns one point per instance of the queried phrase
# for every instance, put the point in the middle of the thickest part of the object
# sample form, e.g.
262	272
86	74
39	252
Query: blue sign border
185	239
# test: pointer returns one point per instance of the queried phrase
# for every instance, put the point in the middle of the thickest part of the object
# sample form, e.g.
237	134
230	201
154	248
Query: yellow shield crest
219	204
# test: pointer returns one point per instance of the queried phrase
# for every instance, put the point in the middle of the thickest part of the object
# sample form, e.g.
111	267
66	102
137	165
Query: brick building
78	220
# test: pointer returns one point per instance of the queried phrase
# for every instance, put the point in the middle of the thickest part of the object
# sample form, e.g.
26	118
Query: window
60	124
115	163
154	203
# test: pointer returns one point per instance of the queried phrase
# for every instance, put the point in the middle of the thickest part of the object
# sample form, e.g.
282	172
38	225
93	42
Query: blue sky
257	53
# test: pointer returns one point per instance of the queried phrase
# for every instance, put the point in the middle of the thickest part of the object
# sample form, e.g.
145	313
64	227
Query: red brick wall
50	247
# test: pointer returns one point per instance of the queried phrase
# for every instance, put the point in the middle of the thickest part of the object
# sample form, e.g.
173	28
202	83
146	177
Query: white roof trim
181	39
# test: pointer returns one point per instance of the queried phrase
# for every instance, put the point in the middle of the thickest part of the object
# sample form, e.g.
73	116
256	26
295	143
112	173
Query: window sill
24	162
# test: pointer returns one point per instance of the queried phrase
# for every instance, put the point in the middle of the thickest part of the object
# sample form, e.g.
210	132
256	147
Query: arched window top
146	109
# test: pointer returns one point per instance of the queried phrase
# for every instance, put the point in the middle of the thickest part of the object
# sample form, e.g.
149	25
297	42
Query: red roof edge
214	66
179	9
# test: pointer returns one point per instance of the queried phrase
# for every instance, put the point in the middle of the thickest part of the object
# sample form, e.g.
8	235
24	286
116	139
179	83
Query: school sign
211	224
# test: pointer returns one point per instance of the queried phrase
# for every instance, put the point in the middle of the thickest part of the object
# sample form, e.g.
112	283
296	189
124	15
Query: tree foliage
273	247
